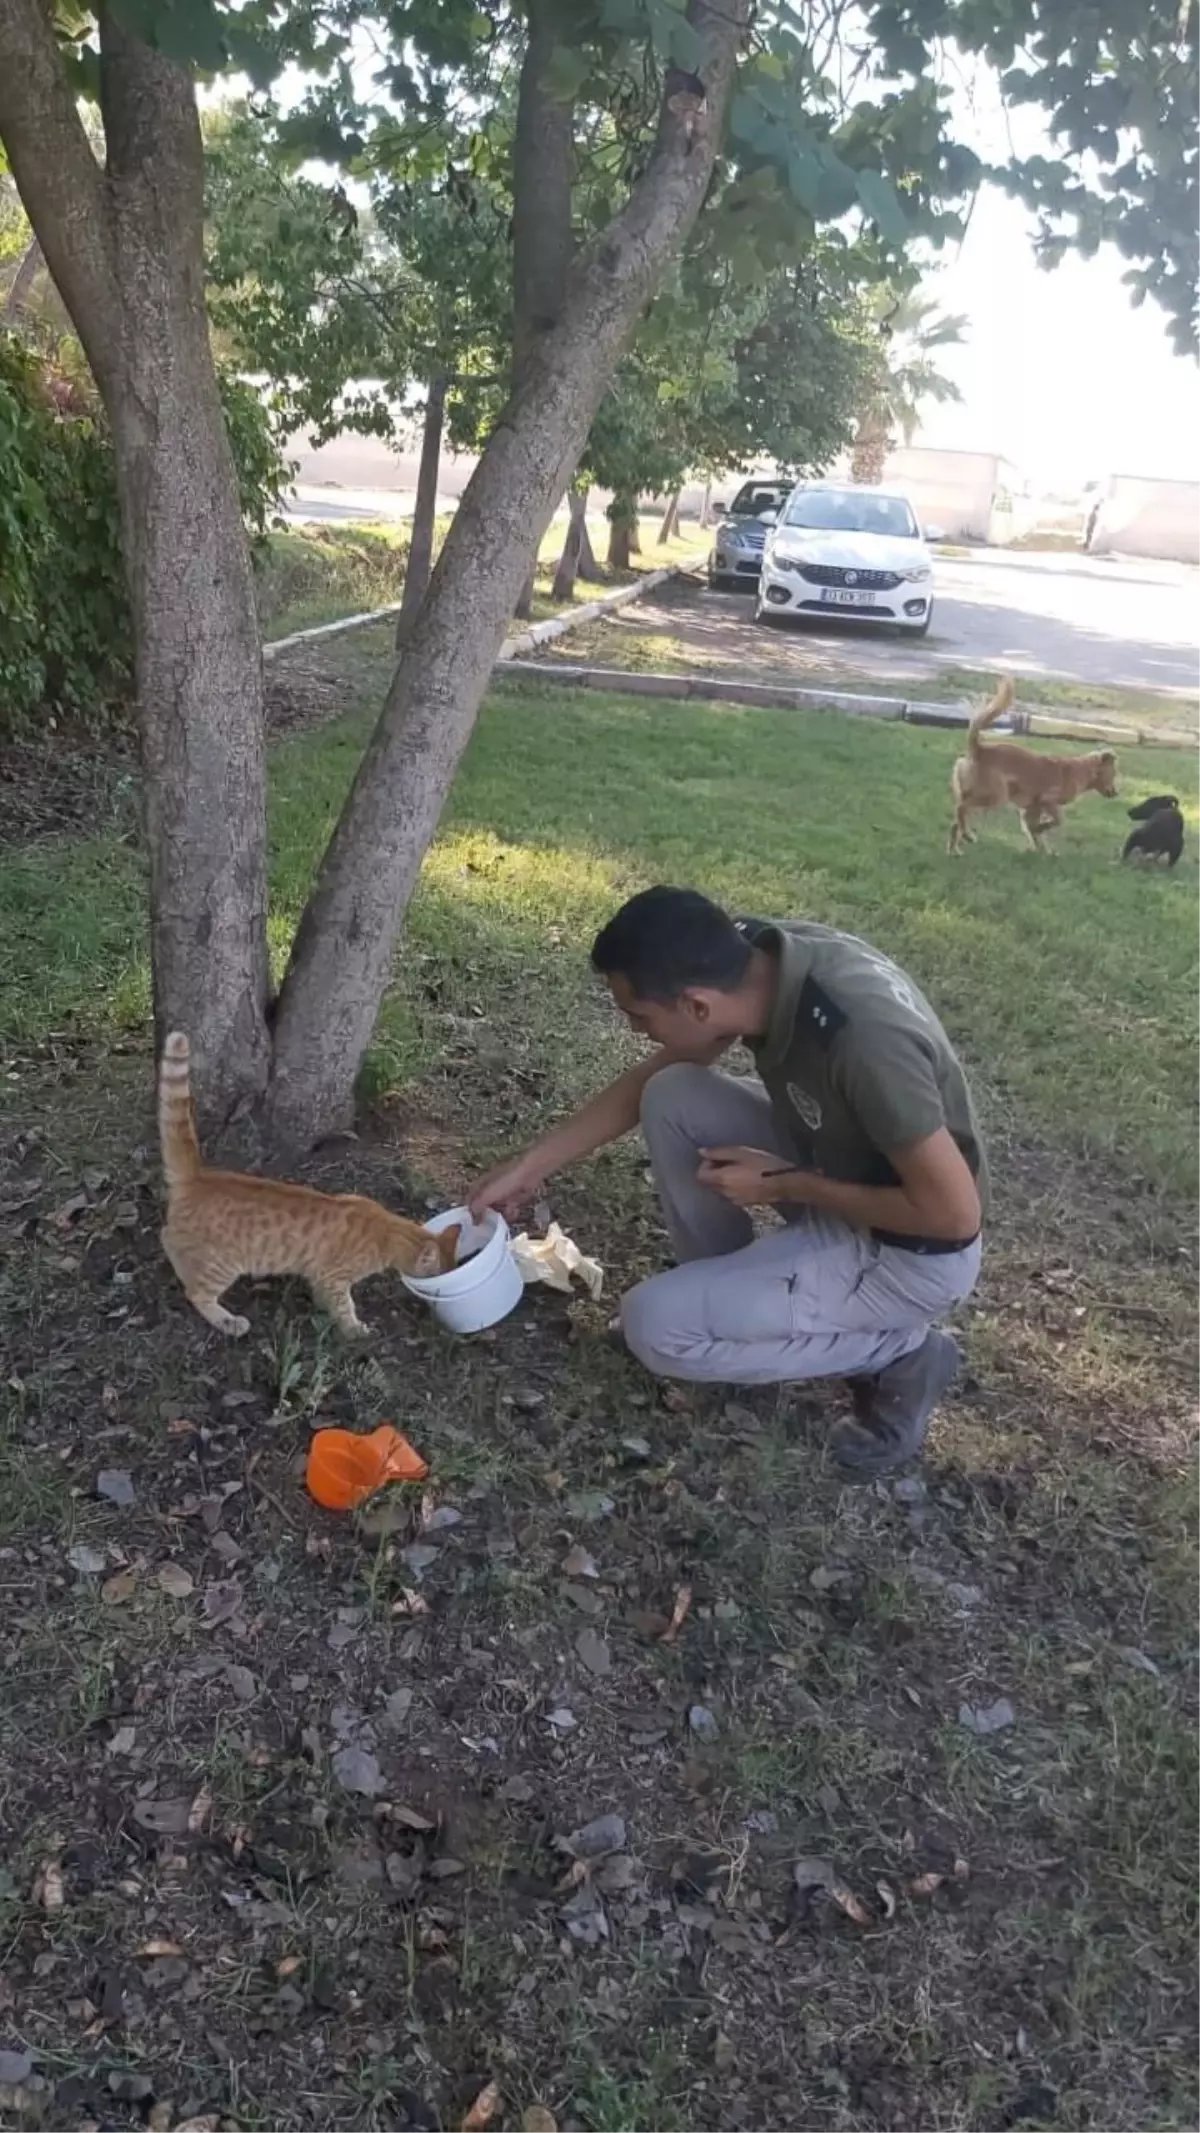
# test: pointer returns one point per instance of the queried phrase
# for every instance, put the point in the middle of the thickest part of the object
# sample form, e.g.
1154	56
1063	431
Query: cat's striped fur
222	1224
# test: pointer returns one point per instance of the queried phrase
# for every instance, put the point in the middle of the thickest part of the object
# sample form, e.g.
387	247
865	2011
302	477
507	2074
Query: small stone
517	1790
585	1917
420	1557
341	1634
242	1682
594	1652
987	1718
579	1563
590	1504
88	1561
813	1874
442	1518
15	2067
117	1485
762	1822
397	1707
619	1873
358	1770
637	1447
605	1834
562	1720
910	1489
703	1722
964	1595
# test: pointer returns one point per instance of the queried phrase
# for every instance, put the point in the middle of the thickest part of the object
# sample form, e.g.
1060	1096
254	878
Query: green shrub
65	638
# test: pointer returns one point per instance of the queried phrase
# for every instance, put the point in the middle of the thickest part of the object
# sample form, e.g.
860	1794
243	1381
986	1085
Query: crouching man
857	1128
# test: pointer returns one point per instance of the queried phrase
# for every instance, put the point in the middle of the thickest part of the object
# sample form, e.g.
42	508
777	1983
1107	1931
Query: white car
838	550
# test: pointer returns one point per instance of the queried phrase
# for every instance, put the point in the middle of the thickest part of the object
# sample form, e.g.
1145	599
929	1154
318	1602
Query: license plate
848	599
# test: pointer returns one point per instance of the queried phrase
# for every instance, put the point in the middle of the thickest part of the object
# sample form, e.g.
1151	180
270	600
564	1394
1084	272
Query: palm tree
905	377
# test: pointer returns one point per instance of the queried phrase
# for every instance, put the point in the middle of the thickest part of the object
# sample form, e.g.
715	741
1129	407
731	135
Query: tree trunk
868	453
124	248
635	531
589	568
343	950
420	547
622	527
568	562
20	289
524	607
706	506
670	520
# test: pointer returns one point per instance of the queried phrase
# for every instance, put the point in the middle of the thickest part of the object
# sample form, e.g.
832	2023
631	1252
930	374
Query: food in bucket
345	1468
484	1285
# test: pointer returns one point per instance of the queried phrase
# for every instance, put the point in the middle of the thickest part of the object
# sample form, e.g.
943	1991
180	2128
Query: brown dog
1002	774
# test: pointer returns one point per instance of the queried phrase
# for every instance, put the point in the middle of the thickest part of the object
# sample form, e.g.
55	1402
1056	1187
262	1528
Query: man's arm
936	1196
607	1118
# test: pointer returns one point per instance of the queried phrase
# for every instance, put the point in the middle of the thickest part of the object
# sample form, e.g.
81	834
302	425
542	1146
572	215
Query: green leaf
879	200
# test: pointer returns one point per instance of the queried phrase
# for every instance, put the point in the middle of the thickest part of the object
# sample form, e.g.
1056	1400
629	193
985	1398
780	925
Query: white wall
1151	518
968	494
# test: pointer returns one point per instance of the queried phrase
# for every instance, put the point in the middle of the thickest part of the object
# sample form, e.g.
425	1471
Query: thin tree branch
61	184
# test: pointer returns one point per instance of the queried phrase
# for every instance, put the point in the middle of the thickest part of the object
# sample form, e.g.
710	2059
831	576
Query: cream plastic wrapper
553	1259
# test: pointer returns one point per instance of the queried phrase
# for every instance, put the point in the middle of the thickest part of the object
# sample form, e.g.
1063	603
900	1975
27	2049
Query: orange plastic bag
344	1468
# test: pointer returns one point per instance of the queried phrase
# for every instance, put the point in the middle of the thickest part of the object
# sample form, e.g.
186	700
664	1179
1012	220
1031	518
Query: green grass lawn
285	1950
307	575
1069	983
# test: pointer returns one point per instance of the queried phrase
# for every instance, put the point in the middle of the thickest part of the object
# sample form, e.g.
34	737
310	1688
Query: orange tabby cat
221	1224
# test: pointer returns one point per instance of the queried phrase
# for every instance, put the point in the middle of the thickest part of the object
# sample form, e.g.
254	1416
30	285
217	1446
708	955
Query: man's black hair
666	940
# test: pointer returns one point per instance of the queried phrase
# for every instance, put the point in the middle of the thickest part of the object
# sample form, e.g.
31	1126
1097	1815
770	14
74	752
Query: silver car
736	555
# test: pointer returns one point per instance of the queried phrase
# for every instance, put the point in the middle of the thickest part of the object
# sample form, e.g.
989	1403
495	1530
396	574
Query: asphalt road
1108	621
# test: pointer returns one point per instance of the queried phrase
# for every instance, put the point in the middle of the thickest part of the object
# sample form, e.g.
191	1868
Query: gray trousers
816	1299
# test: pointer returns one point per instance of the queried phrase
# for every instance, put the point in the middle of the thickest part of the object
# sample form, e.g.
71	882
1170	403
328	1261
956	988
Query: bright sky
1059	373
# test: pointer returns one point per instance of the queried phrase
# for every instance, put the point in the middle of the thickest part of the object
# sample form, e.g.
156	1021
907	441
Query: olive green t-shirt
855	1061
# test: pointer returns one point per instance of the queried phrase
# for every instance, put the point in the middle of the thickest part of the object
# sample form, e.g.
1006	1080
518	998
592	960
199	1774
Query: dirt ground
321	1822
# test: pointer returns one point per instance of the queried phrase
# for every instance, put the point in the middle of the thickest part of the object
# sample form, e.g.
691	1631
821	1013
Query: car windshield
852	511
757	496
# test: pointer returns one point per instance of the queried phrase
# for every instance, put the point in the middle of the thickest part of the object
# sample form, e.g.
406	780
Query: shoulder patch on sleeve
818	1015
752	927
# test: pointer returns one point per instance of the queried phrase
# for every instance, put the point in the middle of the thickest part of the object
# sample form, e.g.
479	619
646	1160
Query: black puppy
1160	831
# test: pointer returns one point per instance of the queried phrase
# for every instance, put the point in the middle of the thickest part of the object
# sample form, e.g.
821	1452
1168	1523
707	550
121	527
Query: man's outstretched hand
508	1188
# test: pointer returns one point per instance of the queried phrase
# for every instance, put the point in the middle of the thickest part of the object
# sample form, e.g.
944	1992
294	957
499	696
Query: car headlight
919	574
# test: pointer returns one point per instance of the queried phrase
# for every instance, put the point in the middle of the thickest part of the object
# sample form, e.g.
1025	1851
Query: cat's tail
176	1119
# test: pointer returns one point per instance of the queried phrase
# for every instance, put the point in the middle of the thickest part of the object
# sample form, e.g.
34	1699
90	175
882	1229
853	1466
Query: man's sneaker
906	1394
862	1393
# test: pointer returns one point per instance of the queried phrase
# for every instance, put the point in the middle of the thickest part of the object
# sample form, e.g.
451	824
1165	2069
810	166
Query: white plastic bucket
480	1292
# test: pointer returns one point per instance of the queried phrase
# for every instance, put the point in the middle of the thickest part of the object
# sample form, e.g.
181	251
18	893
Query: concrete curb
527	641
328	629
590	611
911	711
